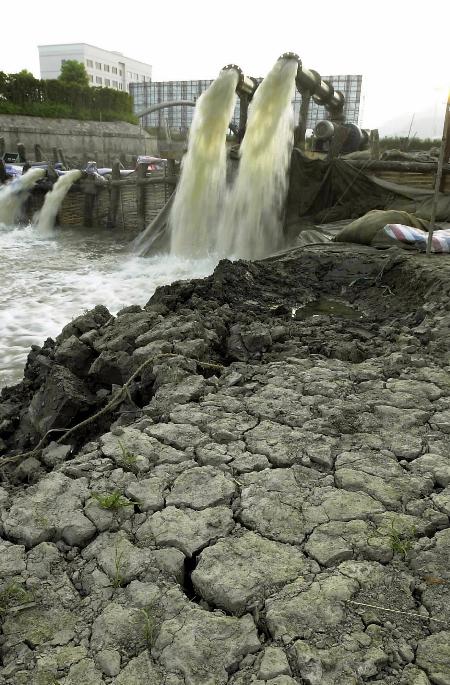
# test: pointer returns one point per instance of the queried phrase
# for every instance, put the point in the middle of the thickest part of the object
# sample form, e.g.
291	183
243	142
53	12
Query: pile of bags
385	228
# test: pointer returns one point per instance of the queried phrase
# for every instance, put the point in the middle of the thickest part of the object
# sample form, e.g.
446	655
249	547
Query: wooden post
444	147
337	142
90	192
114	197
170	169
38	156
374	142
3	175
51	173
140	196
22	153
2	147
55	155
61	158
446	156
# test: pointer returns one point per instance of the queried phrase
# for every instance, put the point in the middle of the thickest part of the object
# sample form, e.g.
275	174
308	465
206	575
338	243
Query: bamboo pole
114	198
444	147
38	155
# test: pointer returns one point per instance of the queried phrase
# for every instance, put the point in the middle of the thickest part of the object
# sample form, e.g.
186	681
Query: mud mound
266	502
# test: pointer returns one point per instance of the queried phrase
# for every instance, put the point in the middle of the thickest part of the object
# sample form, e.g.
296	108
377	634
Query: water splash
57	278
197	205
251	226
45	219
14	194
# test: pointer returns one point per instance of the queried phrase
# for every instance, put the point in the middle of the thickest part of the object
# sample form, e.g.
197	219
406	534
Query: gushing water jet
13	195
200	193
53	200
251	225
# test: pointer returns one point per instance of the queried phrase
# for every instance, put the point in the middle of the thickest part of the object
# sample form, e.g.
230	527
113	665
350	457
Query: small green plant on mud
13	595
149	625
112	500
128	458
401	543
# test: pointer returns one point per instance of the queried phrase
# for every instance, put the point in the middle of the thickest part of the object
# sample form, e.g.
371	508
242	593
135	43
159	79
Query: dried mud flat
269	500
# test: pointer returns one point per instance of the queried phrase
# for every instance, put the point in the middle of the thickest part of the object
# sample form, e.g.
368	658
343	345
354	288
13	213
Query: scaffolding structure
179	119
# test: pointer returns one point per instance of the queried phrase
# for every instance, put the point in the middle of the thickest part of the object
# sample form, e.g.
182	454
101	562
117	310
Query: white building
104	68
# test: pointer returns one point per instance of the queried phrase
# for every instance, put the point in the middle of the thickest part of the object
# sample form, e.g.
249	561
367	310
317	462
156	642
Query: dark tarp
331	190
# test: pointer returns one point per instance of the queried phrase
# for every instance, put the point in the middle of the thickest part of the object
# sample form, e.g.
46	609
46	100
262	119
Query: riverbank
263	494
61	274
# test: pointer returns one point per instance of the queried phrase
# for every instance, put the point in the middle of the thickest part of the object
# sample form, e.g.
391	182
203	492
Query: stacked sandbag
364	229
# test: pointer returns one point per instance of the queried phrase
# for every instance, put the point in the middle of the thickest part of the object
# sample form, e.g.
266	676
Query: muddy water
327	307
46	281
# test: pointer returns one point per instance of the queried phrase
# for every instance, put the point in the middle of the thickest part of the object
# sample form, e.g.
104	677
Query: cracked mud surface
282	483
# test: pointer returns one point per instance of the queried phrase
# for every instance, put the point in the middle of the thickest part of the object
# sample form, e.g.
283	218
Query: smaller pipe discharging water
45	218
199	197
14	194
251	225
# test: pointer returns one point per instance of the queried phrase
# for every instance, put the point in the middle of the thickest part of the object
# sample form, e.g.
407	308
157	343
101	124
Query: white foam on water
199	197
46	281
251	225
14	194
45	218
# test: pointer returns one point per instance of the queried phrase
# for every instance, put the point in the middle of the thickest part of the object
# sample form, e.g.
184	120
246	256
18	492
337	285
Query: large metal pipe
322	92
311	84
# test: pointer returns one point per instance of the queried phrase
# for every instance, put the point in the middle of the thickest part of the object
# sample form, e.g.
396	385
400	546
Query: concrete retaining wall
79	140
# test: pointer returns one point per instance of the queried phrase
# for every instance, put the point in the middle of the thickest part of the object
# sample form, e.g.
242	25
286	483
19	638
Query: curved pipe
307	81
322	92
163	105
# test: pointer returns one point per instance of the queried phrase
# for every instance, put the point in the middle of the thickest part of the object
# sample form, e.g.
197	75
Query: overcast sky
401	47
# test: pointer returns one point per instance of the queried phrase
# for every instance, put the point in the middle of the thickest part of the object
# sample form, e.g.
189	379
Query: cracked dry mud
286	482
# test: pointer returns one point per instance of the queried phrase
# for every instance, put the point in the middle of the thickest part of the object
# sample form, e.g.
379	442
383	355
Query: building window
63	61
89	63
114	70
136	77
120	72
91	78
120	86
107	82
130	75
106	67
98	65
114	84
98	79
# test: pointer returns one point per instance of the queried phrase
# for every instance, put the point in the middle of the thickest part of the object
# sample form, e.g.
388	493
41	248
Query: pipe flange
324	130
228	67
289	55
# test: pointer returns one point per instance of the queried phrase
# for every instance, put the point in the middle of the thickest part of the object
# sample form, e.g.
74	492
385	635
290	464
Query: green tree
74	73
25	72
